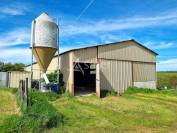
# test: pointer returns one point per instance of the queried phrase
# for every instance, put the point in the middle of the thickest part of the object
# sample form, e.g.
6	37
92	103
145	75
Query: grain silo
44	40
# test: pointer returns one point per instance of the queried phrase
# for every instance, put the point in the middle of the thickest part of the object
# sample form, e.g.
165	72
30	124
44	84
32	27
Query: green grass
168	79
8	105
40	115
136	111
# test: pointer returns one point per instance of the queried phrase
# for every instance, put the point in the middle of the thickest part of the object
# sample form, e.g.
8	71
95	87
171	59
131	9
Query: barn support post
98	80
26	91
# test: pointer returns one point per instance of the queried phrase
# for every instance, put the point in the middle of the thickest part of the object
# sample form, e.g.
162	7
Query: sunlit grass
8	105
141	111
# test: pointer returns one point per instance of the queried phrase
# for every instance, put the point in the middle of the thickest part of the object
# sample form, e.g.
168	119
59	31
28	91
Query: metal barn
114	66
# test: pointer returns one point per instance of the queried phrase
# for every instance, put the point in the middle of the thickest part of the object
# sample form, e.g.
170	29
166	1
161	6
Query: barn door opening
84	78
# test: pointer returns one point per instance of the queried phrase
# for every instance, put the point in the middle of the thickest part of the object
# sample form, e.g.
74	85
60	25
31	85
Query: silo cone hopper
44	39
43	57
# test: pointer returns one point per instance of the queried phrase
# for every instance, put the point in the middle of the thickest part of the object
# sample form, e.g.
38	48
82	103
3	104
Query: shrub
105	93
53	78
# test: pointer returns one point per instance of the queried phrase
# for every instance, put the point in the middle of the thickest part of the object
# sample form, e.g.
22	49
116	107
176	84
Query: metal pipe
32	45
58	73
40	88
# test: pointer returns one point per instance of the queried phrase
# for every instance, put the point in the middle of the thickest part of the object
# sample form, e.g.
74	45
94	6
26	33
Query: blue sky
152	22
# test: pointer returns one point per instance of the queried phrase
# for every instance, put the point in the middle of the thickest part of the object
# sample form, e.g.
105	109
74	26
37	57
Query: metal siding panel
36	71
115	75
15	77
144	72
53	65
88	55
66	67
3	79
129	51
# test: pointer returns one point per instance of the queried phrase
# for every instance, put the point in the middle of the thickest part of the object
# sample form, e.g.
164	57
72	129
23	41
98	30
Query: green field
135	112
168	79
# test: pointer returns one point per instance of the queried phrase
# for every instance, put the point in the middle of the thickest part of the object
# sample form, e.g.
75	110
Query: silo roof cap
44	17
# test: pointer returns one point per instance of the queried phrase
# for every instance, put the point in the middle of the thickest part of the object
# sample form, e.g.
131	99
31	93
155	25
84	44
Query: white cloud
20	55
63	49
109	38
167	65
95	27
15	9
160	45
11	38
16	36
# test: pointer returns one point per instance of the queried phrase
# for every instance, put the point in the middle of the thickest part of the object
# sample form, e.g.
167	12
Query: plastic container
55	87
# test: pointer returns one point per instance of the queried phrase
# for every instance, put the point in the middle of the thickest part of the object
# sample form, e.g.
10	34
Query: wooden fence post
23	90
26	91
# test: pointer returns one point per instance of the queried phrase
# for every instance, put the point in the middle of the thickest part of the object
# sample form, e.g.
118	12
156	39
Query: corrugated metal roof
115	43
132	40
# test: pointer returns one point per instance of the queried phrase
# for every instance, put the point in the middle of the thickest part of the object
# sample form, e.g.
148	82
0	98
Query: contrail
84	10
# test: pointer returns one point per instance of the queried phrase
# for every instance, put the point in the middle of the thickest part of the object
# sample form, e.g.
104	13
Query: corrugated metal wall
115	75
15	77
144	72
66	67
88	55
126	51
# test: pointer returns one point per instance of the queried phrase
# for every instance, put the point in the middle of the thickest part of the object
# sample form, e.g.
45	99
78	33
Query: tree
4	67
1	66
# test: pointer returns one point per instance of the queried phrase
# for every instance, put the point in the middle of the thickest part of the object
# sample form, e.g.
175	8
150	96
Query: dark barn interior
84	78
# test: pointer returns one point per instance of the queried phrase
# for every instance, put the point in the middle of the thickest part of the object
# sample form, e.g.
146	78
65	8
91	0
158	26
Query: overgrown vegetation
39	116
167	79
